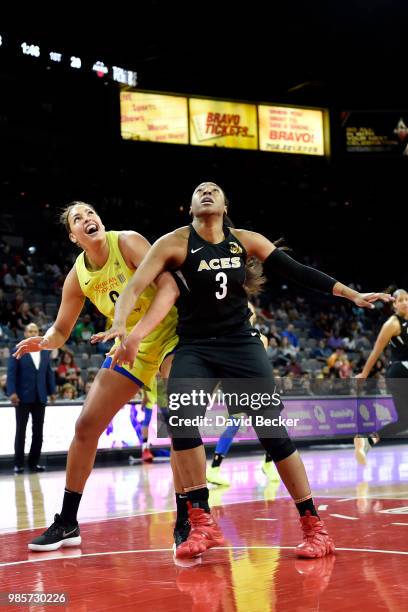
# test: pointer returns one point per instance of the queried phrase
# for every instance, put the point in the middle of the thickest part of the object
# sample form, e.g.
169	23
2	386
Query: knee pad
180	444
278	448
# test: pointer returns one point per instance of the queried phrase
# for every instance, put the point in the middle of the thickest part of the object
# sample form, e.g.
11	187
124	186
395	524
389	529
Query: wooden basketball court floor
126	562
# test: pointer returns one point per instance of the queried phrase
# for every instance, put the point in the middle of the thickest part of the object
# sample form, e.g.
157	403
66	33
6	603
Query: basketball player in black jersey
394	333
217	341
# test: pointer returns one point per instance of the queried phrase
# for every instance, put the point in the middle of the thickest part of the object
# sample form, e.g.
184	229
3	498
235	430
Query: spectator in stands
287	349
289	333
324	382
84	329
67	392
24	316
3	388
335	341
378	368
18	299
306	385
273	350
287	383
68	371
273	333
29	381
40	318
87	388
293	313
338	355
363	343
293	367
343	367
321	352
13	280
281	313
382	385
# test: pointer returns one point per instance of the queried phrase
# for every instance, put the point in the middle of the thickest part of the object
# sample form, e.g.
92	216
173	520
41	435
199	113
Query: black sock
217	460
372	440
306	506
268	458
70	507
182	511
200	497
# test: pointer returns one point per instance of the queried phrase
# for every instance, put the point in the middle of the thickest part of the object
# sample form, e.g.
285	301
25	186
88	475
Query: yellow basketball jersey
104	286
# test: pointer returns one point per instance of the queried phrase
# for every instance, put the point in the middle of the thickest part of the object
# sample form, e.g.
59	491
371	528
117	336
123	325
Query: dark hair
254	277
64	214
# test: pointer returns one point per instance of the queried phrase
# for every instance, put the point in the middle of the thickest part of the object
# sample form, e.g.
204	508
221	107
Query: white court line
343	516
160	550
400	524
149	512
373	496
265	519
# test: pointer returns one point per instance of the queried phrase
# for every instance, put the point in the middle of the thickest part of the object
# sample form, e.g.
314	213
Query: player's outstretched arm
165	254
276	261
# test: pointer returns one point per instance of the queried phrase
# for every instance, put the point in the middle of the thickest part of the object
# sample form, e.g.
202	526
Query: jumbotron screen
284	129
154	117
375	132
219	123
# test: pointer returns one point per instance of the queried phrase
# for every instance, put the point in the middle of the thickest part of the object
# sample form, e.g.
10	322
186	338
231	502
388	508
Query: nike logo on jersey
88	281
218	264
195	250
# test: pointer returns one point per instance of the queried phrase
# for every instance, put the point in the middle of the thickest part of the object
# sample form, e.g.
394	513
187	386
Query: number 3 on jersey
222	278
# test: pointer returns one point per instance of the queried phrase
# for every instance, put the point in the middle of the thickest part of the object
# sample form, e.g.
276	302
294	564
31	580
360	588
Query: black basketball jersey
213	301
399	344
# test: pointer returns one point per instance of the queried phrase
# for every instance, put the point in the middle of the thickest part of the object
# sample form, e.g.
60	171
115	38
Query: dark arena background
300	115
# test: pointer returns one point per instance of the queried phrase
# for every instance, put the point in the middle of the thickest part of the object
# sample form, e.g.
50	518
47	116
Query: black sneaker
56	536
180	533
37	468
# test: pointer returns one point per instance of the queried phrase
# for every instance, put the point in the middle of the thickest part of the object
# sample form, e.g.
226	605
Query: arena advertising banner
375	132
284	129
153	117
310	417
218	123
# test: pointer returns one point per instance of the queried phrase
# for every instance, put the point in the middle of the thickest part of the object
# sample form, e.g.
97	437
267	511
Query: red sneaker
316	540
204	534
147	456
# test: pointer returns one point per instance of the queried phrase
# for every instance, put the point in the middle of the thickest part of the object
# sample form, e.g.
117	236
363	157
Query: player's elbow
166	283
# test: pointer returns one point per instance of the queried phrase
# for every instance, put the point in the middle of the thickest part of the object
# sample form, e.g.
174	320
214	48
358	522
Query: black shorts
237	361
238	355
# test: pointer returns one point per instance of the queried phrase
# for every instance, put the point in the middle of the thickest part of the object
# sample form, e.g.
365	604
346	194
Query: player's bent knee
87	428
280	449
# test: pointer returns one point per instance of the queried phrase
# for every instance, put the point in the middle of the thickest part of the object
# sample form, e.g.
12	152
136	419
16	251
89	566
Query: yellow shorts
152	351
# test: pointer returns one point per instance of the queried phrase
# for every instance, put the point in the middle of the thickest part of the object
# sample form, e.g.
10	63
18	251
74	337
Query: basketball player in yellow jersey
101	272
